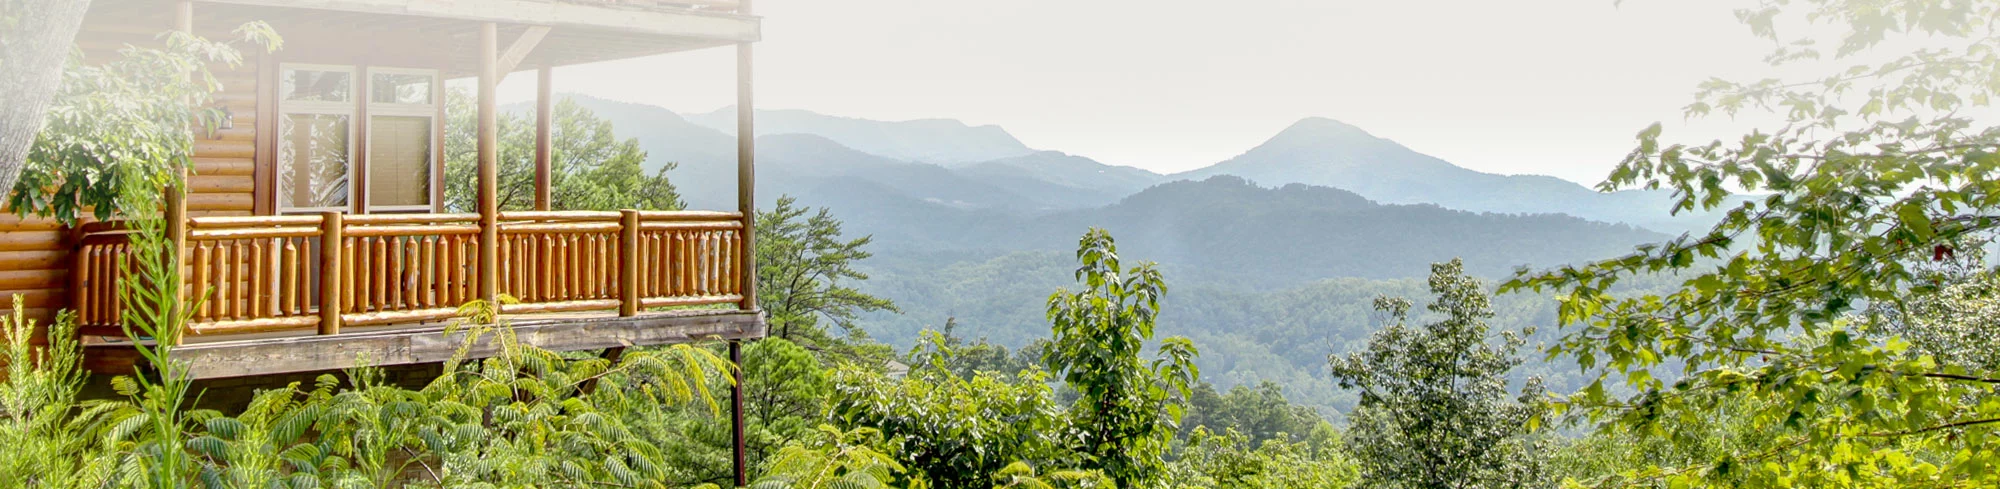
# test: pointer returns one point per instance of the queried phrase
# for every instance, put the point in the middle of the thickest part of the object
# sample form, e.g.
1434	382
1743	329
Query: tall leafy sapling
1128	407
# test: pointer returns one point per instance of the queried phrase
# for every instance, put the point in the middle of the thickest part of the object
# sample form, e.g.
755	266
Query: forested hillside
1270	279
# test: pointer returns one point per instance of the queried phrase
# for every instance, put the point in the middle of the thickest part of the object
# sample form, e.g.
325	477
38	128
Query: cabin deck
281	294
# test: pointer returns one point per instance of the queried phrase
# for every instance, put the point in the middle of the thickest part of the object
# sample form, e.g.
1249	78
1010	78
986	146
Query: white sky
1554	87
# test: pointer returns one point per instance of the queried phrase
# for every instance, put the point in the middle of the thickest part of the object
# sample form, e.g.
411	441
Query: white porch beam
682	23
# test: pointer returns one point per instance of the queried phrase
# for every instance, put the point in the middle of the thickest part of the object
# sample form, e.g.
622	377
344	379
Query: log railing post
544	142
746	179
331	237
489	165
628	263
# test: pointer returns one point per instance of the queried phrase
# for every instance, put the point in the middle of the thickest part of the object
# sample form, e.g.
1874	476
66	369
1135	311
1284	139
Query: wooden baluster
640	252
584	273
682	268
608	255
444	266
107	283
115	268
457	261
408	262
288	291
524	270
426	266
260	279
358	248
592	277
577	266
702	269
398	279
88	283
79	282
544	273
729	263
715	263
234	293
378	273
305	273
202	269
349	264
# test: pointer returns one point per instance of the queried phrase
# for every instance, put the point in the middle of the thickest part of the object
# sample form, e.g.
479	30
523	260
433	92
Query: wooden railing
274	273
97	274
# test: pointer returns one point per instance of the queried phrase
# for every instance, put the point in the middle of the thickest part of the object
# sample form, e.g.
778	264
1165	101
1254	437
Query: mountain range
953	164
1274	255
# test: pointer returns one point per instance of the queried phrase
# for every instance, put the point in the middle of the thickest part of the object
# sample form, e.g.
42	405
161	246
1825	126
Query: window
402	115
318	141
315	138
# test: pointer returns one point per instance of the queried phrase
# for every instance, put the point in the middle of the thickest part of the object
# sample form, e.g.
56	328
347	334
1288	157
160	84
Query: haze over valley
1275	254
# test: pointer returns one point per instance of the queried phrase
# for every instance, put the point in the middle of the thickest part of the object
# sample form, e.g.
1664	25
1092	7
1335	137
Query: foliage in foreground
1435	410
1786	316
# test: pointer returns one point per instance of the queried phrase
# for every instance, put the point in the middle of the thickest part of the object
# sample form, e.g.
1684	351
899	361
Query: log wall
36	254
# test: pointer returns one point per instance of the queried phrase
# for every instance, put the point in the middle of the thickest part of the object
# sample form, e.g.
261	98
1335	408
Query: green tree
805	274
1127	408
1261	413
589	169
124	119
1435	410
956	432
947	351
1231	459
1878	166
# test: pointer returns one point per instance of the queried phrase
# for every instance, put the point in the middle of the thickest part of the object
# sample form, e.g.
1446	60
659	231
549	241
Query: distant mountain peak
1320	131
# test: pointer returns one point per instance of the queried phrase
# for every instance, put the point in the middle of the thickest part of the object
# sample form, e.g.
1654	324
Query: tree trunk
35	40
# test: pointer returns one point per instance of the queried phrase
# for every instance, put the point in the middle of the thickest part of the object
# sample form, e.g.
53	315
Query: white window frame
427	111
346	108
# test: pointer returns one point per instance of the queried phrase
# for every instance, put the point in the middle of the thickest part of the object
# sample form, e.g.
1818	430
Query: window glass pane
315	85
398	88
399	161
312	160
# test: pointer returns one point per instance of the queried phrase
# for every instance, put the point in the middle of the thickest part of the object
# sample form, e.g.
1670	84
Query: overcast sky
1555	87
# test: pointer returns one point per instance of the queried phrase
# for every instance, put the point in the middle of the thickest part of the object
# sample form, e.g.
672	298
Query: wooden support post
739	451
331	239
544	142
489	165
628	263
746	202
746	173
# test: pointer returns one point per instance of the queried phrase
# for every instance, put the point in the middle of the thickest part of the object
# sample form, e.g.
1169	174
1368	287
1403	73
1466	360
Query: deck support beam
489	165
544	138
518	51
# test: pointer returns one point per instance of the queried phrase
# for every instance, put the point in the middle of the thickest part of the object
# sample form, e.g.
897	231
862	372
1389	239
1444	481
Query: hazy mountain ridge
1267	278
936	141
1320	151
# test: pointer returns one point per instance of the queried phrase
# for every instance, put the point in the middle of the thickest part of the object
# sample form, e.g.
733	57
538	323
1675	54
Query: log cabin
312	220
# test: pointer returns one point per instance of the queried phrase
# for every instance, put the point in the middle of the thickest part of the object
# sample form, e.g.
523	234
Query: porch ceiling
444	33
